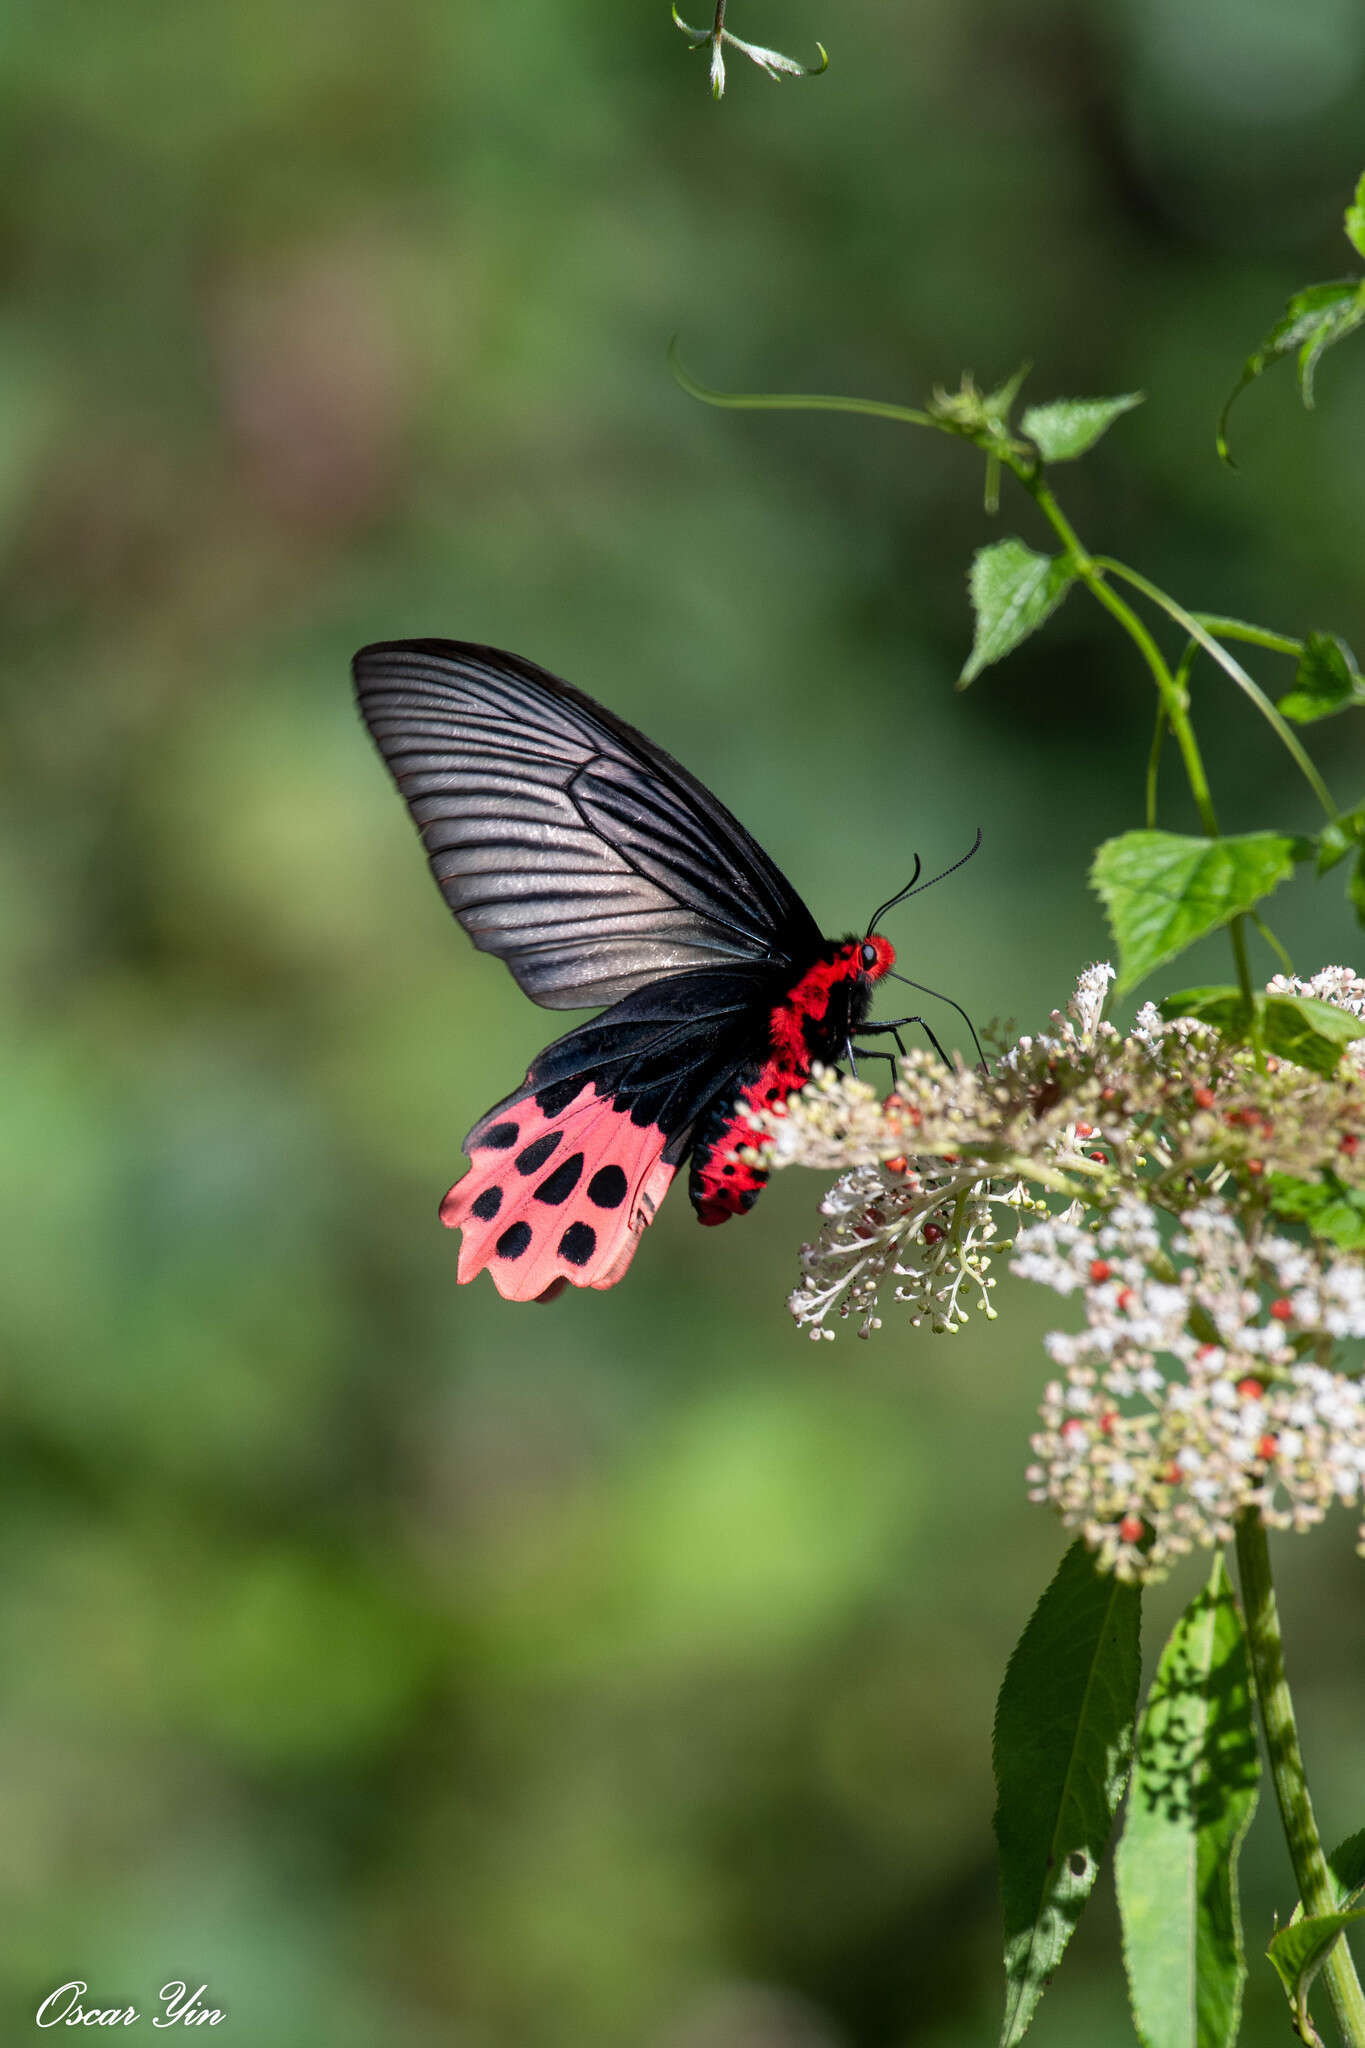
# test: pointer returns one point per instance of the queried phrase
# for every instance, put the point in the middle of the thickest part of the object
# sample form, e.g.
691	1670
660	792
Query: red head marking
876	956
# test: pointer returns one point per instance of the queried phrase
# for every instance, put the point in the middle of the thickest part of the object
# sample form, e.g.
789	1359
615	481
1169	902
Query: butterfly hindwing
565	841
556	1198
568	1172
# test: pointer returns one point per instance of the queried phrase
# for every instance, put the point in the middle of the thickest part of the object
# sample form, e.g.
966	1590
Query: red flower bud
1125	1298
1205	1097
933	1233
1100	1269
1250	1390
1132	1529
1282	1309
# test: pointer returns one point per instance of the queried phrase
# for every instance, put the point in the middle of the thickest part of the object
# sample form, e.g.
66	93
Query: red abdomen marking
813	1021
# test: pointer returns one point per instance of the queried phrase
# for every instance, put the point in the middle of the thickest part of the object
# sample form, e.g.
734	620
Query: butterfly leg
869	1053
892	1027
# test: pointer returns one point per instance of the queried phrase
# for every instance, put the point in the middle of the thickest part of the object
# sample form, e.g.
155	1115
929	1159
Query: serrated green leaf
1299	1951
1062	1750
1194	1790
1013	591
1355	219
1328	1207
1068	426
1326	680
1304	1029
1311	322
1162	890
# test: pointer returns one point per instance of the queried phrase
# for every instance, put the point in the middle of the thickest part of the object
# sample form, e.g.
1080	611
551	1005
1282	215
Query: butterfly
608	878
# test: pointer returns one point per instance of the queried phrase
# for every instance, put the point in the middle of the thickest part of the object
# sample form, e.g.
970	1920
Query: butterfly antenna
938	995
911	890
878	915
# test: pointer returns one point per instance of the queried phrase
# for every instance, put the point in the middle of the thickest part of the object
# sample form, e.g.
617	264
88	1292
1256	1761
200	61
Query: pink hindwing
550	1200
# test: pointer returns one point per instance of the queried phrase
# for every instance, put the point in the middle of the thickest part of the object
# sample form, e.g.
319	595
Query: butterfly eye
869	956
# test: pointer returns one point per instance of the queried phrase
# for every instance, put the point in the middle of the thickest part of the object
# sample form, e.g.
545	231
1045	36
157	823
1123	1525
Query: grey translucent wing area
565	842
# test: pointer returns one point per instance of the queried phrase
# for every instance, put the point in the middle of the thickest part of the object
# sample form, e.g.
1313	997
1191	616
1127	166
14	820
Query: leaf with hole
1063	1745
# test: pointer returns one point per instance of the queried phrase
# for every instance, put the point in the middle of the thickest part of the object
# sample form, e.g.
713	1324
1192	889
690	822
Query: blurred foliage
409	1666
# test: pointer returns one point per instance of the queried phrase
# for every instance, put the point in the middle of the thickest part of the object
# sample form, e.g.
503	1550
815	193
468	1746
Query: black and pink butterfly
605	875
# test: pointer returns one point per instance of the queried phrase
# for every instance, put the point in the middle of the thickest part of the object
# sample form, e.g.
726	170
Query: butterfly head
875	956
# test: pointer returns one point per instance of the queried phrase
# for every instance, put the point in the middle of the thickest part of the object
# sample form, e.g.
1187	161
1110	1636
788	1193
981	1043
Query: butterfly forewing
564	841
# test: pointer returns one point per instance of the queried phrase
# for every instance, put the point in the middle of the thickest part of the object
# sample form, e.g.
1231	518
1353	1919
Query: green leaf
1345	1875
1162	891
1334	843
1063	1745
1326	680
1194	1791
1355	888
1013	591
1355	219
1298	1952
1068	426
1346	1864
1311	322
1329	1208
1299	1028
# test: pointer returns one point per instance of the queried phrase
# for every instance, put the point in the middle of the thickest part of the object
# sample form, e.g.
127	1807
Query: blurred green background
413	1667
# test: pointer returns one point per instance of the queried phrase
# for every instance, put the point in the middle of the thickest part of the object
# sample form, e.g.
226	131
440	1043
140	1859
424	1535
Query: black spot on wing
500	1137
559	1185
514	1240
535	1155
487	1205
578	1244
607	1188
557	1097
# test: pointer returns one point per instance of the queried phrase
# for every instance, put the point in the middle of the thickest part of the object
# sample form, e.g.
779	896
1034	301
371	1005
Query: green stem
1255	636
1286	1769
1200	630
793	401
1153	764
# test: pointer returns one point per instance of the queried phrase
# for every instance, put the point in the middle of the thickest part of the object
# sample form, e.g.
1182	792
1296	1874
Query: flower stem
1286	1769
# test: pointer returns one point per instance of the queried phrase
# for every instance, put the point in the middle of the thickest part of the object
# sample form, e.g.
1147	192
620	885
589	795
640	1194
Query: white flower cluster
1193	1394
929	1236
